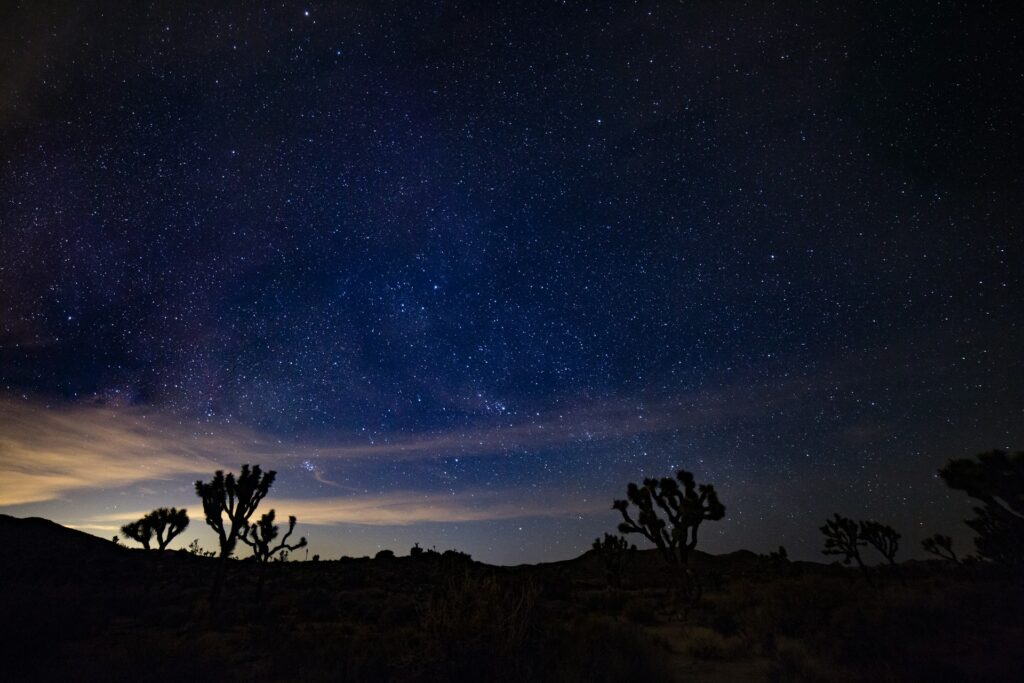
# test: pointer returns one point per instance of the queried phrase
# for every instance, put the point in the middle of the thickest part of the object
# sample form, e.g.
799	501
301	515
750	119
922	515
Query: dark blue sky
500	259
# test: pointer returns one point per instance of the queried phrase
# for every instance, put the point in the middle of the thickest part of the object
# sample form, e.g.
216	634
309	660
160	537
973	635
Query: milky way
460	271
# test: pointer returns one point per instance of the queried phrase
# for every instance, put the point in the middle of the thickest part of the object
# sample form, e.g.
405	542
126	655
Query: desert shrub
605	601
599	650
705	643
795	663
556	585
397	613
641	611
477	628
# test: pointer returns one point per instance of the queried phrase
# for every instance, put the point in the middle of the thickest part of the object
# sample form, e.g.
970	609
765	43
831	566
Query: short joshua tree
139	531
941	546
613	551
261	536
163	524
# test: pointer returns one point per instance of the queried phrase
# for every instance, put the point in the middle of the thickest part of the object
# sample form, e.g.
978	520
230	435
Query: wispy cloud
47	451
393	509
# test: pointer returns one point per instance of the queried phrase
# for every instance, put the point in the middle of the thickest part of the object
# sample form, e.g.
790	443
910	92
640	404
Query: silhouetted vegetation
842	537
163	524
228	503
882	538
440	616
168	523
261	536
940	546
195	549
139	531
675	536
613	551
996	479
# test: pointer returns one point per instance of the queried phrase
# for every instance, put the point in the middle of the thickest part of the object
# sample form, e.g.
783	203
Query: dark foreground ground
76	607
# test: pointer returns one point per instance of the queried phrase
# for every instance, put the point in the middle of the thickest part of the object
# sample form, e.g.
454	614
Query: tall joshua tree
842	537
684	506
996	480
228	503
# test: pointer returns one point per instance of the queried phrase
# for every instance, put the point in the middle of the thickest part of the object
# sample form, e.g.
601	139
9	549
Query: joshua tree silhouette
882	538
228	503
261	535
685	509
167	523
996	479
942	546
613	551
139	531
842	537
162	523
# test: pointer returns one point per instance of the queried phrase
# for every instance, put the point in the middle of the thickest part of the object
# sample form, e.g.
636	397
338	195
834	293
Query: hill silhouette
77	607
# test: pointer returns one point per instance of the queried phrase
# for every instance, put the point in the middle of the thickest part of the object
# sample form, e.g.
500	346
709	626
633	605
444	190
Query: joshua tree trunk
218	579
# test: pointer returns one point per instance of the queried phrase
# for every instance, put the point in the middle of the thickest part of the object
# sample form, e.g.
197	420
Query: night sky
460	271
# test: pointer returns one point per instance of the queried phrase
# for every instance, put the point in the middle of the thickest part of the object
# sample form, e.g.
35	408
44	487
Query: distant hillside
34	546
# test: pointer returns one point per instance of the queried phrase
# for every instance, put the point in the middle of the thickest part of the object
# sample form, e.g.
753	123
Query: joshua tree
228	503
941	546
842	537
260	537
167	523
163	523
882	538
613	551
684	509
996	479
139	531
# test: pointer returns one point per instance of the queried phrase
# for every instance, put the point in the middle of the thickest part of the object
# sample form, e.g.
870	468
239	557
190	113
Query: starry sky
459	271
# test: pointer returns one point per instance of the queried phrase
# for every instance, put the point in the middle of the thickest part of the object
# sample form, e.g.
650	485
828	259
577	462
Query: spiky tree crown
882	537
684	509
941	546
612	544
139	531
261	535
236	499
997	480
842	537
167	523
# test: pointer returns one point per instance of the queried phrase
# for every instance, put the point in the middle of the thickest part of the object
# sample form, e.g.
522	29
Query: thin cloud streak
393	509
47	452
